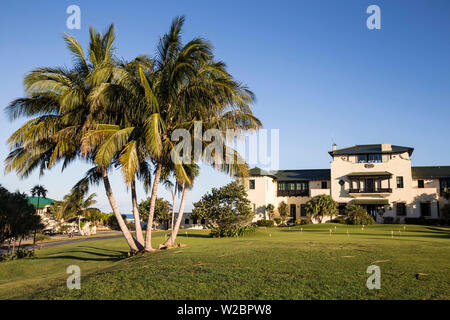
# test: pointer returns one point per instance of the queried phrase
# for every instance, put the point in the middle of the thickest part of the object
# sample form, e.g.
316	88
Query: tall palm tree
60	100
39	191
180	85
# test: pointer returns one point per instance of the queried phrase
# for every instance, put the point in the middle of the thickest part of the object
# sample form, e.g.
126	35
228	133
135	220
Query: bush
277	220
426	222
24	253
301	222
264	223
235	231
19	254
357	215
340	219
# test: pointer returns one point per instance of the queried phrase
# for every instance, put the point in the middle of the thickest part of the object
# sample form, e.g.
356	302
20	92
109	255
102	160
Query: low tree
161	213
270	208
18	218
321	206
358	215
283	210
227	208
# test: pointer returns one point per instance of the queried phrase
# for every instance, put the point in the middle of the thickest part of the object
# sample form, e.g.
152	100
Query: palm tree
180	85
39	191
60	100
76	204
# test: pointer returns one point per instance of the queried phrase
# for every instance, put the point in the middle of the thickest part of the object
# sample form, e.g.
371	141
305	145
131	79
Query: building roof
430	172
43	202
369	148
293	175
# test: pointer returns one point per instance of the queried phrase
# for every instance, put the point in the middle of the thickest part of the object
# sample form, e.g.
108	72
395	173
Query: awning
371	201
370	174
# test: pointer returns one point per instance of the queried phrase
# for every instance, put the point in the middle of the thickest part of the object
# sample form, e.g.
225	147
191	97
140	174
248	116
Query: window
445	185
281	186
421	184
324	185
401	209
251	184
203	221
291	186
371	158
302	186
374	158
425	209
194	221
399	182
303	210
186	221
341	208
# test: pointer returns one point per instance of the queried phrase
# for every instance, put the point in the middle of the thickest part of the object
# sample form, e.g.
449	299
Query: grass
305	262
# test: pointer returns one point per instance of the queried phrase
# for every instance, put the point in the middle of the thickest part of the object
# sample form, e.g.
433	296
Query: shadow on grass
86	255
195	235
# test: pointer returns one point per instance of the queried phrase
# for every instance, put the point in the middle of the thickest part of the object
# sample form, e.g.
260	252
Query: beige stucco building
378	177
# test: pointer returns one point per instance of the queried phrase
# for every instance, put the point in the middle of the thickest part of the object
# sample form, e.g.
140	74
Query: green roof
430	172
293	175
43	202
368	149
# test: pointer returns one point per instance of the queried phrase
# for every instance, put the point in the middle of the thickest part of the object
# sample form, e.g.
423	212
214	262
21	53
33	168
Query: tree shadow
193	235
109	255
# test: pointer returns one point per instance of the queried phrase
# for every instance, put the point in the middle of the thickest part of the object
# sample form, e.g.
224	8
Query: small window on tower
252	184
324	185
421	184
399	182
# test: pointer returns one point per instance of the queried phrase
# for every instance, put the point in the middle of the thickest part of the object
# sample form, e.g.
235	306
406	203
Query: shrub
321	206
340	219
426	222
270	208
19	254
301	222
277	220
24	253
357	215
264	223
235	231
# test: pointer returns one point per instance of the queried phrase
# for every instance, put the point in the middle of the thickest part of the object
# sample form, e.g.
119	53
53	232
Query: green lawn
273	263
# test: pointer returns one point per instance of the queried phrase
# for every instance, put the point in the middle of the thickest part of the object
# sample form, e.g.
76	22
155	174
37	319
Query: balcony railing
379	190
293	193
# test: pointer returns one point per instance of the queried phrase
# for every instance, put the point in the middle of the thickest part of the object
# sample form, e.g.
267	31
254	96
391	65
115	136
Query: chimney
334	146
386	147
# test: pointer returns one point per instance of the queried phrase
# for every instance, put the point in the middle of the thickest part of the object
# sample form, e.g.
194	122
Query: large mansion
378	177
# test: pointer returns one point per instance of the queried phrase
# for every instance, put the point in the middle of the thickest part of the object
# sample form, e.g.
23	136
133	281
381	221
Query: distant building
378	177
44	203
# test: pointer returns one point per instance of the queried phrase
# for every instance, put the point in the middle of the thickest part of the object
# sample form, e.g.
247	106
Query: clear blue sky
319	74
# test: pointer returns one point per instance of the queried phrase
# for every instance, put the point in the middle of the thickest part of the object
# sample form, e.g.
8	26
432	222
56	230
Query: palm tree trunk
171	241
174	195
79	226
122	225
148	235
137	219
